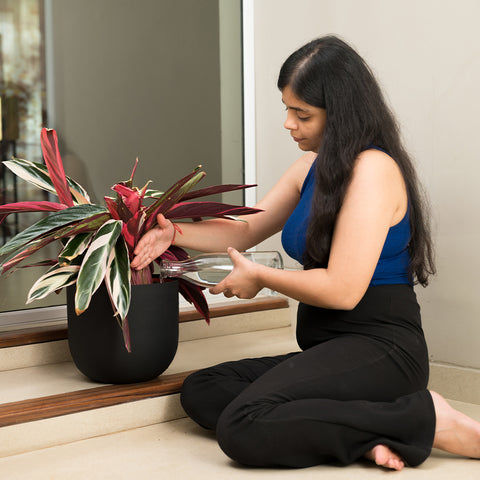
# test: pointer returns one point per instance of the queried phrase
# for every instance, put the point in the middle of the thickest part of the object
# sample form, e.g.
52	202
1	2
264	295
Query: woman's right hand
153	243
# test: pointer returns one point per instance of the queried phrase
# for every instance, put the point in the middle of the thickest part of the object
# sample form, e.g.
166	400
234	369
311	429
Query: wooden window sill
28	336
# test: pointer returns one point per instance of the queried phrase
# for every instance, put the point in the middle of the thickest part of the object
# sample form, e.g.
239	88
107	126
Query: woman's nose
290	123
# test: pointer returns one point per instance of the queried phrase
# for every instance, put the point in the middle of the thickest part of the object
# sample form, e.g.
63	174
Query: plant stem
142	277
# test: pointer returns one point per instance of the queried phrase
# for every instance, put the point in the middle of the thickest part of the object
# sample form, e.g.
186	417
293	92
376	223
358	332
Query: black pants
360	382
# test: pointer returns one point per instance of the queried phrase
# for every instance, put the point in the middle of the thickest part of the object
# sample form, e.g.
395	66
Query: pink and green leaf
75	246
132	198
19	255
88	224
193	294
56	278
133	229
214	190
94	264
38	206
117	278
51	155
151	193
173	195
126	334
78	198
112	206
37	174
31	172
129	182
79	193
207	209
42	263
50	224
24	251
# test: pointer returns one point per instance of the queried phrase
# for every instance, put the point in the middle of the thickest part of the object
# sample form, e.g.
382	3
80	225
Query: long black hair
328	73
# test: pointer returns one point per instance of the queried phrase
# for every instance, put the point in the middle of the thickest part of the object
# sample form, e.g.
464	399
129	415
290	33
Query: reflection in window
162	82
22	97
22	117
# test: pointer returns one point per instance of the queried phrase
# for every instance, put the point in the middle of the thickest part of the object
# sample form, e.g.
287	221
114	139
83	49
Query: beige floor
181	450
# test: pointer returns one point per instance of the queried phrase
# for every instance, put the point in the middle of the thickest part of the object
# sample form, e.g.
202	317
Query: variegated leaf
118	278
39	206
78	191
151	193
56	278
214	190
131	197
88	224
133	229
126	335
94	265
193	294
173	195
32	206
32	172
50	224
174	189
49	262
37	174
74	247
21	254
112	206
78	198
207	209
53	160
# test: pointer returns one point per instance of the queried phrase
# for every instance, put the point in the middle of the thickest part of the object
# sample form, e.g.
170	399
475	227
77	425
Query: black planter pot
96	340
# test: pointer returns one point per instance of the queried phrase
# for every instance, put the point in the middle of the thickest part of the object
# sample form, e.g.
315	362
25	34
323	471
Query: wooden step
31	410
50	404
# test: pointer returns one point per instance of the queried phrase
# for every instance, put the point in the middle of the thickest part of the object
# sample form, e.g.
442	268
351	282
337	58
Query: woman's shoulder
376	171
304	163
298	171
378	162
308	158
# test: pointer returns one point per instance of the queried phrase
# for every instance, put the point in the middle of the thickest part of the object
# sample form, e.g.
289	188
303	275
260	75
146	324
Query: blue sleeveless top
392	267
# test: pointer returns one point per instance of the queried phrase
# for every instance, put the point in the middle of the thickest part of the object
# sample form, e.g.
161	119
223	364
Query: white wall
426	55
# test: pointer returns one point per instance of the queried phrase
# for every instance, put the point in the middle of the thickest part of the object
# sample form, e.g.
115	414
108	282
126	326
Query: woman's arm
375	200
216	235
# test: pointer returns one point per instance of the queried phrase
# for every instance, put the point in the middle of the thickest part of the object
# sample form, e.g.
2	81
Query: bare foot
455	432
384	457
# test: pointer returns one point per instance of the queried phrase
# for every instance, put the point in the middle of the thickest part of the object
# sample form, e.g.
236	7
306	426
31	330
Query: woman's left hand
243	281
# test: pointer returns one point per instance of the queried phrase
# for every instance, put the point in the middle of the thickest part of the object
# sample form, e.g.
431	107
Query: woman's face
305	122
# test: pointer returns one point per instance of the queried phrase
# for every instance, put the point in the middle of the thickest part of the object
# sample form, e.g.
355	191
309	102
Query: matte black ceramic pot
96	340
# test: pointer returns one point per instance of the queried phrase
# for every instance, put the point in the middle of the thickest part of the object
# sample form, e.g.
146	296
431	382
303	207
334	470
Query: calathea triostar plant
97	242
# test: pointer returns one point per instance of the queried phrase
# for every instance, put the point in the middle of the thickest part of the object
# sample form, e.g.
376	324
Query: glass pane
22	90
157	79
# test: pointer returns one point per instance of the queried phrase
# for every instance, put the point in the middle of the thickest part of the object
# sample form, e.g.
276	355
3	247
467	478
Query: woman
351	211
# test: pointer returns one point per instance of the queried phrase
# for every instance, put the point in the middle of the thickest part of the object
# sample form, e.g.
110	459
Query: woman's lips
297	139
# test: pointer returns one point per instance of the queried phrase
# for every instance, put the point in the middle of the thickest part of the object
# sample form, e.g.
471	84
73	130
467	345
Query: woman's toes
384	457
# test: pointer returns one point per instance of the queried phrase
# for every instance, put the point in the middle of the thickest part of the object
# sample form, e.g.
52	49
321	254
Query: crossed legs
336	401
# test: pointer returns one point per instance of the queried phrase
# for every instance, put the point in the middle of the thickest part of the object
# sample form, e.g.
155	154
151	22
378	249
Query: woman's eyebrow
298	109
